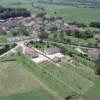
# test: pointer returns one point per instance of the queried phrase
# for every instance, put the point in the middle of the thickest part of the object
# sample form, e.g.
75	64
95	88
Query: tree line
95	24
13	12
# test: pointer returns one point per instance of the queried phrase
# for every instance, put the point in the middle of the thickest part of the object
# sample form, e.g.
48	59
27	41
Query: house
97	37
31	53
51	51
94	53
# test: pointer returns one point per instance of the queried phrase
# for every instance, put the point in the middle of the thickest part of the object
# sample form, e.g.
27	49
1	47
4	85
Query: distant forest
13	12
95	3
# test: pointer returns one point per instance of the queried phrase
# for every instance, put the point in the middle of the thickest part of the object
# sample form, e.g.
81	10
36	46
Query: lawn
16	83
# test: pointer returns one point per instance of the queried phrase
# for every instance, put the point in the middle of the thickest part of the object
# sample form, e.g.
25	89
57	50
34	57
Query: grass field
16	83
92	93
74	14
64	81
73	80
86	71
68	12
81	69
46	77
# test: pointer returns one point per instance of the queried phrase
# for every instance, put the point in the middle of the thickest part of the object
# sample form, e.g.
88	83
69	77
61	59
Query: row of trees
98	66
92	24
6	48
79	34
78	24
13	12
95	24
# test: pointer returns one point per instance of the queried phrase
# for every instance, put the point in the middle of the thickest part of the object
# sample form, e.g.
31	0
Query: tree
7	47
68	41
55	36
52	19
77	33
13	12
61	35
55	12
88	34
53	29
43	35
97	71
68	32
42	14
14	33
78	24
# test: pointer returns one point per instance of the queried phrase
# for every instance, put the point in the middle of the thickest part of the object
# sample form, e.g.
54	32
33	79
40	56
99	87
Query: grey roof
97	36
50	51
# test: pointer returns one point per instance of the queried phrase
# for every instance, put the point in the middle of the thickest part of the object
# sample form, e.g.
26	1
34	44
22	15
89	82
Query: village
61	57
41	23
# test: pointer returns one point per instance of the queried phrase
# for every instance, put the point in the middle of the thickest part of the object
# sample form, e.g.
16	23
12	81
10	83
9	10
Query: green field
62	81
46	77
85	71
73	80
74	14
67	75
68	12
16	83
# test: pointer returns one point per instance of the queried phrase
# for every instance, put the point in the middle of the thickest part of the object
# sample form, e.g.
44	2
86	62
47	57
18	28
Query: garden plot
69	78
